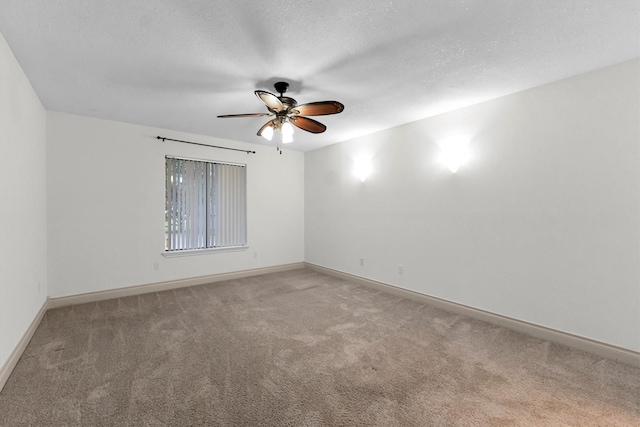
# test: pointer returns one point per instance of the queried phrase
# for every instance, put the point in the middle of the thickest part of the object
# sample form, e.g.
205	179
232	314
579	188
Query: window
206	205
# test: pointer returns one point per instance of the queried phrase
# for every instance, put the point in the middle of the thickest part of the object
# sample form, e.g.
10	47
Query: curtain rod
205	145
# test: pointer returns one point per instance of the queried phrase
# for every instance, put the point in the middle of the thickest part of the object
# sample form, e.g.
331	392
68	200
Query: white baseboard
608	351
15	355
56	302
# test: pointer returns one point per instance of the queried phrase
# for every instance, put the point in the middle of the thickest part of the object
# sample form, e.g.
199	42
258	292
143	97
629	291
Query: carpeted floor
302	349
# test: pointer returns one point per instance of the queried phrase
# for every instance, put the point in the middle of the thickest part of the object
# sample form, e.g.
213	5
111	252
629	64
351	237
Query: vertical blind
206	204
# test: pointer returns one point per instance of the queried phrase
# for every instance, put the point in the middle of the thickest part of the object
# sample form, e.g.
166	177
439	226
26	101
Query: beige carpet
302	349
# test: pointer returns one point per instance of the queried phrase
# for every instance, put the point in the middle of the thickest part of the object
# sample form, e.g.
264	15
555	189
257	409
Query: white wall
541	224
23	209
106	205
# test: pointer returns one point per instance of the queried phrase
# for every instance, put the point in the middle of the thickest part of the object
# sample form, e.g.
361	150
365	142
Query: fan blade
271	101
266	125
226	116
307	124
321	108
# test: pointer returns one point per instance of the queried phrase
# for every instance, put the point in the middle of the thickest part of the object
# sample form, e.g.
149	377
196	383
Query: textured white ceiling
179	64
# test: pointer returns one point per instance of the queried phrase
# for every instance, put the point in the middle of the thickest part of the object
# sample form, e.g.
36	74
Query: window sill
191	252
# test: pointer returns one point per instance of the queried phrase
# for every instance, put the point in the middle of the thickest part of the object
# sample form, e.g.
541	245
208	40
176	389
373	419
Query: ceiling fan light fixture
287	129
267	133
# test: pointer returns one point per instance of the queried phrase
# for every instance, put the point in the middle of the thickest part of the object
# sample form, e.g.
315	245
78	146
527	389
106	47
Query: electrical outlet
400	269
156	266
361	261
255	254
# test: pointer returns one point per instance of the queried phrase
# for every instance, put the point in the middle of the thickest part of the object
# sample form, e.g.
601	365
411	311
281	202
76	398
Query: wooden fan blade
225	116
271	101
320	108
266	125
307	124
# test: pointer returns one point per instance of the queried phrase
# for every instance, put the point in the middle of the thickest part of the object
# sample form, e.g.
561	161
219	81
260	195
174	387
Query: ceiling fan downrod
281	87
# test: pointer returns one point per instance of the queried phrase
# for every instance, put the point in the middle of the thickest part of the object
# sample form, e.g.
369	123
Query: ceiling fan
286	112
